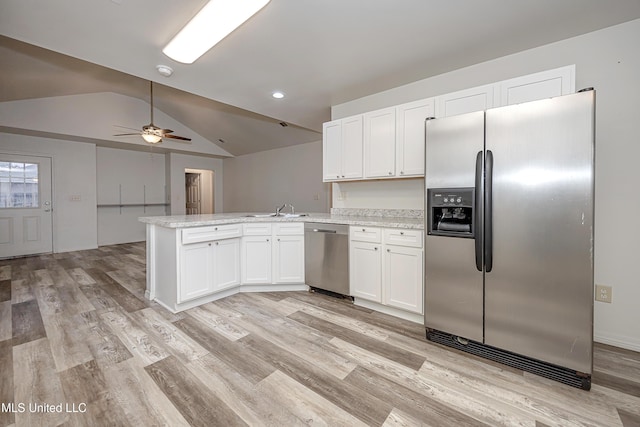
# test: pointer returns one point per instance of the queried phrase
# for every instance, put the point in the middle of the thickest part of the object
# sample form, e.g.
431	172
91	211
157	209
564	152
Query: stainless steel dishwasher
326	248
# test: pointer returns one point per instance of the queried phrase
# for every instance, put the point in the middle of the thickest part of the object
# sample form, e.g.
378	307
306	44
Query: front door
25	205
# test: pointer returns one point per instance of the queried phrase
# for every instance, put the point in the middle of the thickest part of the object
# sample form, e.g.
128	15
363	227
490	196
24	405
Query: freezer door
453	285
538	294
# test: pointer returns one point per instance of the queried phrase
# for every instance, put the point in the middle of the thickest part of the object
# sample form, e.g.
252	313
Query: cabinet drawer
365	234
257	229
288	229
212	232
400	237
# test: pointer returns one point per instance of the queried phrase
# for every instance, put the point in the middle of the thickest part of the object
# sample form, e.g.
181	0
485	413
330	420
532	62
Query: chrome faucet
279	209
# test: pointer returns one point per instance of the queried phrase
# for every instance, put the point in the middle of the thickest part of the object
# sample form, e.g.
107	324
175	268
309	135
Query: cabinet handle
390	173
363	230
215	229
388	250
337	176
343	176
278	240
375	248
209	244
267	240
402	233
401	172
216	243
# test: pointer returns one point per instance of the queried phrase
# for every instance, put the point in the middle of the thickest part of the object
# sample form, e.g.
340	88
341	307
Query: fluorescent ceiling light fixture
214	22
278	95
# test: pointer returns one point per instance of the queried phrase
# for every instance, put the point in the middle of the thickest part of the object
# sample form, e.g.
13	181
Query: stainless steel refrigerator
509	235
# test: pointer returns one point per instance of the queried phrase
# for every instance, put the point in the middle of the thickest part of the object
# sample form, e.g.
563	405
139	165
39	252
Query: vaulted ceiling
319	53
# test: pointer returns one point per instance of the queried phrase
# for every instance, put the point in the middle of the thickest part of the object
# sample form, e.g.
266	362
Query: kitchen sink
272	215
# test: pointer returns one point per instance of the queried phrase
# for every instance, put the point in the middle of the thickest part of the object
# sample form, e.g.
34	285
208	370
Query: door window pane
18	185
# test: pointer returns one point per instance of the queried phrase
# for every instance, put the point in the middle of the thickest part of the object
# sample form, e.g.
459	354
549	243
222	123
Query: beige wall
261	181
608	60
176	164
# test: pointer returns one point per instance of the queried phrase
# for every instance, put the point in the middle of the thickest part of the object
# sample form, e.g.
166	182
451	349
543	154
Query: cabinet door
256	259
410	136
403	278
196	271
226	263
332	150
365	270
546	84
380	143
466	101
288	259
352	144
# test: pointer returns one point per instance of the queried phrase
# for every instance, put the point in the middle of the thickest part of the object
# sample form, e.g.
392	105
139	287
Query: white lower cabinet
403	278
208	267
196	271
256	256
365	270
226	264
273	253
288	259
388	271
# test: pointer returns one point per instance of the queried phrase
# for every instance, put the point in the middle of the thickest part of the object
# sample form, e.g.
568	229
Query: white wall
175	169
261	181
608	60
128	177
74	174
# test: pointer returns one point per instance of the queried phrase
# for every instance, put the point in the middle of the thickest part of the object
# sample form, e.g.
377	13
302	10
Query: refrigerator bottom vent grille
547	370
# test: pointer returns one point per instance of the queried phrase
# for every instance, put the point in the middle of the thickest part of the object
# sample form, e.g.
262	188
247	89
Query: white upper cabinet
546	84
342	147
410	128
466	101
380	143
389	143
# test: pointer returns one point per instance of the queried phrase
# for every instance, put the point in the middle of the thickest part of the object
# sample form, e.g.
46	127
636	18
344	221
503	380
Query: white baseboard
412	317
618	341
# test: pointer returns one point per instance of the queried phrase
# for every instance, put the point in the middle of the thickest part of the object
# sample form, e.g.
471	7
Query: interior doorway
199	193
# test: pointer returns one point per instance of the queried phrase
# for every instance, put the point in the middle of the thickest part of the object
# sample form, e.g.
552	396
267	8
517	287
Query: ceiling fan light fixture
151	138
214	22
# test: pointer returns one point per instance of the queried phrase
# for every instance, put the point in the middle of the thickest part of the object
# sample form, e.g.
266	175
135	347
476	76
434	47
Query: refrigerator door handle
488	213
476	211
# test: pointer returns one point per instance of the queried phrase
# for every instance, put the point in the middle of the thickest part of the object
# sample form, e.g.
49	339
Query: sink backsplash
387	213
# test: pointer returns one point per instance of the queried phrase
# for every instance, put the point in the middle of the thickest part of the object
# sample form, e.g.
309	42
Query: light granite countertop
184	221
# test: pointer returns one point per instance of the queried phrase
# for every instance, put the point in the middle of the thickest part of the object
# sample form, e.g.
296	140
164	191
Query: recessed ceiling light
278	95
214	22
164	70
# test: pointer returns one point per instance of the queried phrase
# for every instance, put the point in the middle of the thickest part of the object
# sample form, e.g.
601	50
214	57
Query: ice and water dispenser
450	212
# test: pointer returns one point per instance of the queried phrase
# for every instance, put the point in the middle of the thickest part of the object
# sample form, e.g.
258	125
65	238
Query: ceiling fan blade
127	134
166	131
126	127
182	138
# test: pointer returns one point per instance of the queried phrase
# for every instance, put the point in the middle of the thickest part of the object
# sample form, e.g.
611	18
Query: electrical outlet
75	198
603	293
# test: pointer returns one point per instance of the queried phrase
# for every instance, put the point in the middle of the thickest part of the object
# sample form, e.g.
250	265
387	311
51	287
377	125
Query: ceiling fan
152	133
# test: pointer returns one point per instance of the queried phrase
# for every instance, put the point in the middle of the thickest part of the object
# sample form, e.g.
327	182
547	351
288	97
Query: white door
192	182
332	150
288	259
403	278
352	146
410	139
256	259
380	143
226	263
365	270
25	205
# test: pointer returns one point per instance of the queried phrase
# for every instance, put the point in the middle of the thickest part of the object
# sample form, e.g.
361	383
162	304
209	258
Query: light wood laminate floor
76	331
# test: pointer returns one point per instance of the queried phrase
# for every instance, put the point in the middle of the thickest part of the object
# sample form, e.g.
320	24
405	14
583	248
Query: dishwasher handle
320	230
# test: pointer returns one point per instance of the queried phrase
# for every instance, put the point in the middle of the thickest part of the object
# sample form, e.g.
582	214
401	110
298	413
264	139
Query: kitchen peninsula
195	259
